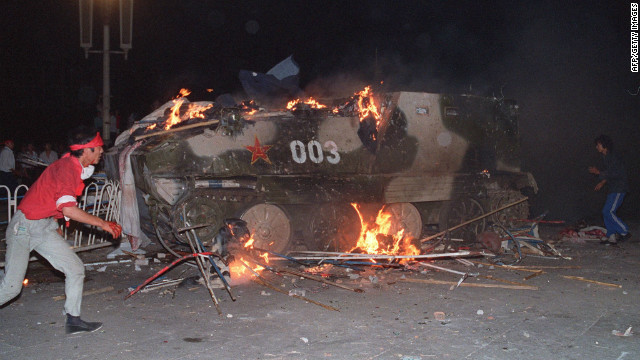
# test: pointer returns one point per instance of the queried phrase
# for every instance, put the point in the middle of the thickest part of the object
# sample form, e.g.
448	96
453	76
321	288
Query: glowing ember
250	107
25	282
311	102
371	240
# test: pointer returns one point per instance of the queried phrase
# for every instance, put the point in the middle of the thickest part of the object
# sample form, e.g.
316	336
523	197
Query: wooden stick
299	273
85	293
529	246
473	220
534	275
262	281
357	256
506	267
545	267
317	278
440	282
190	126
136	256
447	270
580	278
490	277
320	279
93	246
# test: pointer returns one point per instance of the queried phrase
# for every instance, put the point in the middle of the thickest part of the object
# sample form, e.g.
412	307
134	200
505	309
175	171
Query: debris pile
354	271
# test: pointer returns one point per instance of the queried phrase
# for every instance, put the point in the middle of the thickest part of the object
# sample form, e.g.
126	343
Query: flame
249	242
368	240
238	270
25	282
174	118
193	111
183	93
250	107
367	105
310	101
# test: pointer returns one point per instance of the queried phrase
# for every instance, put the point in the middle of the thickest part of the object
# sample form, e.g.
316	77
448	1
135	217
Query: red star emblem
259	152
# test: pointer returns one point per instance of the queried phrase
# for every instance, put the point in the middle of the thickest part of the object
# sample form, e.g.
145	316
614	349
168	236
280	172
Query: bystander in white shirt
7	160
50	158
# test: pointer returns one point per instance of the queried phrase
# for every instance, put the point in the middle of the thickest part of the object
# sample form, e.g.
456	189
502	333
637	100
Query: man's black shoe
75	325
624	237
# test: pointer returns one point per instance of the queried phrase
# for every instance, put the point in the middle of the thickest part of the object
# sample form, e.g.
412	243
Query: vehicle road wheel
457	212
200	209
405	216
270	226
333	228
509	216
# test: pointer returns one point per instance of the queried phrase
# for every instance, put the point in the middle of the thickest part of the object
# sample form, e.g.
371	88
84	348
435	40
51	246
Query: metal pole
106	91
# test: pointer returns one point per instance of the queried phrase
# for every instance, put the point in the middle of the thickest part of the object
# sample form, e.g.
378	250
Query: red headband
97	141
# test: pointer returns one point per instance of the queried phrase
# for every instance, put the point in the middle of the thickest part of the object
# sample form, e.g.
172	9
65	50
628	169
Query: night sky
566	63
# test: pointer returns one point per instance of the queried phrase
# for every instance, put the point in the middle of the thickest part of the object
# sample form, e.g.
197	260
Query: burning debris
180	112
233	254
368	175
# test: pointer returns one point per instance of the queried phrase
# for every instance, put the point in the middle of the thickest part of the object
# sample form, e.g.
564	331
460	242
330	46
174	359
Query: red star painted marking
259	152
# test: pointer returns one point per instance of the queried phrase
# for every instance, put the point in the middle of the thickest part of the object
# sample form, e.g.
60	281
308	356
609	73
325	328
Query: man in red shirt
34	226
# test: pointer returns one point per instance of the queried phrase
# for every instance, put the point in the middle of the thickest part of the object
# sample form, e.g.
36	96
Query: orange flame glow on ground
369	243
239	271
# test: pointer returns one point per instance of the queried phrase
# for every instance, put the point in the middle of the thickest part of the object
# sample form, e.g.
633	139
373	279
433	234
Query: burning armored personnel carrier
294	175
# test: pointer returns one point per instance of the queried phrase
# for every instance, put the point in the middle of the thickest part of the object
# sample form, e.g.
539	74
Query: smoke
567	66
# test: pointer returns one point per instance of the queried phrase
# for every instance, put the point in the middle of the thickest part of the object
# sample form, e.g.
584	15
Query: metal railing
100	198
11	200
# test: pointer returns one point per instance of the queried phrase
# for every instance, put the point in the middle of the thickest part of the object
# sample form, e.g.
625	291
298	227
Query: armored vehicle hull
293	175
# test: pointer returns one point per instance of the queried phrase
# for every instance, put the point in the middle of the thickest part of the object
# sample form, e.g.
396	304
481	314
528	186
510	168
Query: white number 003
314	151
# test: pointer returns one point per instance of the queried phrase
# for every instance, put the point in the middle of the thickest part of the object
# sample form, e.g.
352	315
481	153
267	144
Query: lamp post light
86	42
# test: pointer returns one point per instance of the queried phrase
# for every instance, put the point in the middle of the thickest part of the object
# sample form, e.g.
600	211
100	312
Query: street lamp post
86	42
